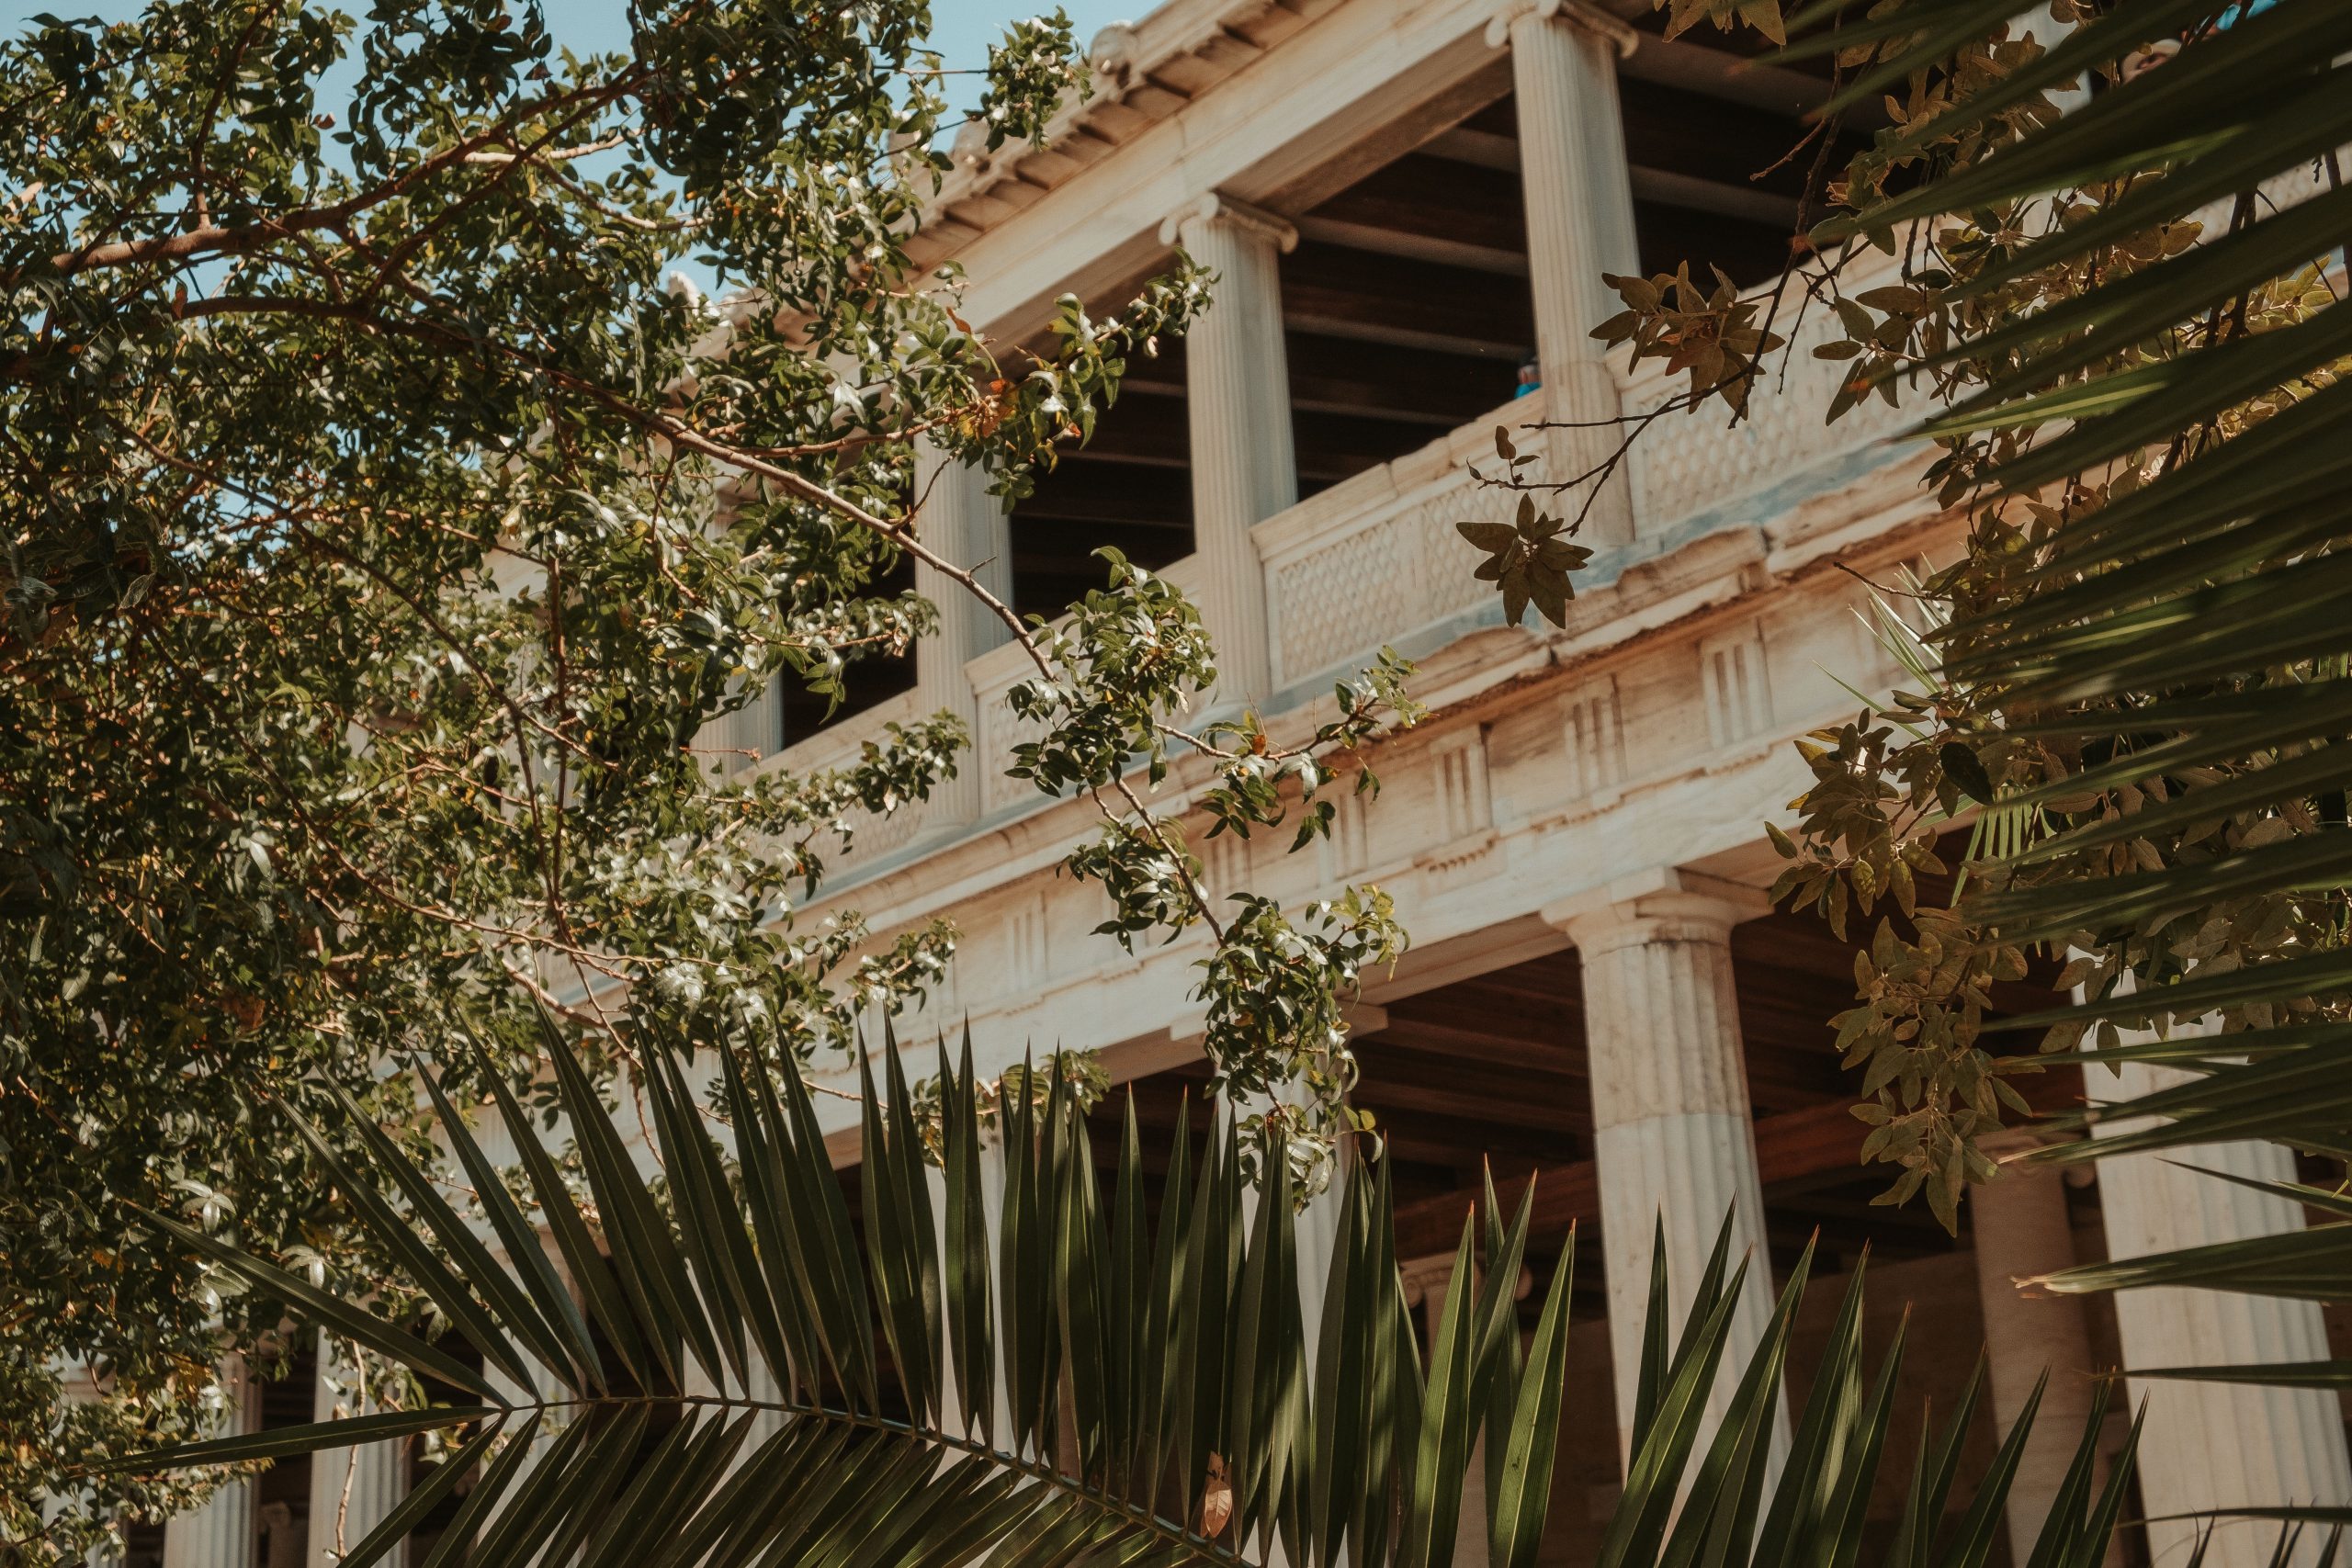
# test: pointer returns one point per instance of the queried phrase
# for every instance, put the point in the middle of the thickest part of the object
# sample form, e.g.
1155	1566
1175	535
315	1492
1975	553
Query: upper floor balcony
1409	204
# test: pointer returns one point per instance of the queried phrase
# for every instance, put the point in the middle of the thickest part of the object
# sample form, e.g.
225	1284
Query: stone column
352	1490
1580	199
1674	1130
1237	401
957	517
2216	1445
222	1534
2020	1230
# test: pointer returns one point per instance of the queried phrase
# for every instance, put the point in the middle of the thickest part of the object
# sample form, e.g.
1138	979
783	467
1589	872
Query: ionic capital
1581	14
1215	207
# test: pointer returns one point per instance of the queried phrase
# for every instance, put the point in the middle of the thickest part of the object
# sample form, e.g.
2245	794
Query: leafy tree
1163	1402
383	525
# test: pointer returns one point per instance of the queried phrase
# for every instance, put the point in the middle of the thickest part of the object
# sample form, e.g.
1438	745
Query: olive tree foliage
382	528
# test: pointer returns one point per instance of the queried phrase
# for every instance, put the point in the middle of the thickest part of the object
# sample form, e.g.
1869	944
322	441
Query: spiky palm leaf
2191	631
1159	1405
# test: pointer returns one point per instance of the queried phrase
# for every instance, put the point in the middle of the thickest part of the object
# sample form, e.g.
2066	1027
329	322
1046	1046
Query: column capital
1661	905
1215	207
1622	35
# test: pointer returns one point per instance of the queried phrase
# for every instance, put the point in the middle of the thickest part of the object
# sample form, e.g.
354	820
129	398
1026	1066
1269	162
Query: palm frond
772	1380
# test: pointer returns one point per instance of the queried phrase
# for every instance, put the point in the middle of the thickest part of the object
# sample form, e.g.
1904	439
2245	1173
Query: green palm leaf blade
644	1250
560	1335
310	1437
1029	1308
1080	1279
1343	1383
715	1528
424	1267
1128	1276
1972	1540
2299	1098
783	1293
1521	1495
1156	1417
2091	1543
1726	1495
824	1246
1803	1521
1434	1493
2314	1264
2136	307
1267	1336
2063	1525
2150	403
1200	1318
899	1241
1933	1473
1657	1320
907	1156
1655	1476
356	1322
709	1221
583	1258
530	1511
1496	1384
2299	777
487	1495
411	1510
2311	975
784	1479
1852	1501
614	1447
2157	117
965	1275
1923	41
1395	1362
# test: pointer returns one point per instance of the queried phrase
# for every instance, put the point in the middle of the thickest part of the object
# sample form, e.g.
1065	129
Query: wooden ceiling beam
1792	1147
1337	292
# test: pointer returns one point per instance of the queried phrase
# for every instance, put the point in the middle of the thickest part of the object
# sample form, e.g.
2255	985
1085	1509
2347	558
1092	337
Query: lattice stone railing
1687	466
1376	556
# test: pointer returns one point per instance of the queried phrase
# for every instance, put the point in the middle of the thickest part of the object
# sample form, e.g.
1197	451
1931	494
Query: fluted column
2215	1444
1580	200
1237	403
222	1534
956	518
2020	1230
1674	1134
352	1490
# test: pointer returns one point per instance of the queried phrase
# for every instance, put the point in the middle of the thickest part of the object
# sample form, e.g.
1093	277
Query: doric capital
1666	904
1215	207
1582	14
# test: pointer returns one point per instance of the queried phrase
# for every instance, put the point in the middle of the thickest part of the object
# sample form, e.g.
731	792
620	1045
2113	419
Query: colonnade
1580	207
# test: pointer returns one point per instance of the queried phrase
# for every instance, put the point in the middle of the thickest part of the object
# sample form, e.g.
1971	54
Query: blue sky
962	30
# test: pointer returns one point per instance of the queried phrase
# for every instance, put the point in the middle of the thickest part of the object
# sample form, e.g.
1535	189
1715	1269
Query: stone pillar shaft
2216	1445
352	1490
1238	404
223	1533
1580	201
2019	1229
962	522
1674	1134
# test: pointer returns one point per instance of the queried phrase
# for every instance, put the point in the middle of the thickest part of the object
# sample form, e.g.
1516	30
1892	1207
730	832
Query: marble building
1407	202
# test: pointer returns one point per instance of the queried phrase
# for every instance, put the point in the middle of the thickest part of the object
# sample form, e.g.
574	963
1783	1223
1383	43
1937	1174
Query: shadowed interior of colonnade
1492	1068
